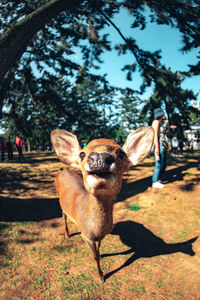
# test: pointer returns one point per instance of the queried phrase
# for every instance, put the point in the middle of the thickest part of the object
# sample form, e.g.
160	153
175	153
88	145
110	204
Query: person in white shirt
160	148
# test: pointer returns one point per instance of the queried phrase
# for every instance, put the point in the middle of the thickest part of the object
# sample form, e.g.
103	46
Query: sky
153	38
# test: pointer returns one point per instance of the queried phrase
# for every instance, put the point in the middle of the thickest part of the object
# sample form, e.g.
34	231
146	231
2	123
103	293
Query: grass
150	258
135	206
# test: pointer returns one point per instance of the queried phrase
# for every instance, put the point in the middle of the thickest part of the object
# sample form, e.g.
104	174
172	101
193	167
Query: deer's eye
82	155
121	154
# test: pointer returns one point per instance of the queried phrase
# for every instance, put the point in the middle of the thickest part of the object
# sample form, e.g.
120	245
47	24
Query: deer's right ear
66	147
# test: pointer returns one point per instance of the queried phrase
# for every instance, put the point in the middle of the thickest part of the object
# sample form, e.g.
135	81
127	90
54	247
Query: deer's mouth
100	180
100	174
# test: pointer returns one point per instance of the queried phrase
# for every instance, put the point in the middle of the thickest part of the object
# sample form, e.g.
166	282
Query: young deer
87	193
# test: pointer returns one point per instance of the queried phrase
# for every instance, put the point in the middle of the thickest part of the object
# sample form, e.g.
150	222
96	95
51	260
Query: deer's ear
66	147
139	144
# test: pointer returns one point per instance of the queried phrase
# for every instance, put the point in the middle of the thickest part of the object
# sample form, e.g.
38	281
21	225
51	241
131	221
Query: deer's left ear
66	147
139	144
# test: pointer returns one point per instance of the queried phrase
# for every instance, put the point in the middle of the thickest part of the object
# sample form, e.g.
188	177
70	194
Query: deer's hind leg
66	231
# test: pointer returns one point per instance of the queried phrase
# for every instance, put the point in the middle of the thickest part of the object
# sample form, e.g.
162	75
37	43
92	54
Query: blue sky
153	38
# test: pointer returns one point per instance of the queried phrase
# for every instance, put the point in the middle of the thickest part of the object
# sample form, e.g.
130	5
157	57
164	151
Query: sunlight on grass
36	262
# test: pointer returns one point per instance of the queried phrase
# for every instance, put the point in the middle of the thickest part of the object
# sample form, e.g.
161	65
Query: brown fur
88	199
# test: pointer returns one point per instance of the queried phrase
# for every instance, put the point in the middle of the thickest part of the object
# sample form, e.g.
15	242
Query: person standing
19	145
160	148
2	147
9	149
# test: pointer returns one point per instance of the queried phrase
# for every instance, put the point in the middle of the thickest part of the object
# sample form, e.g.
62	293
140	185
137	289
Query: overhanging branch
15	40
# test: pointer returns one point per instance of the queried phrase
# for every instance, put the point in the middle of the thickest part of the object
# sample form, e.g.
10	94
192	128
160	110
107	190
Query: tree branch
123	37
15	40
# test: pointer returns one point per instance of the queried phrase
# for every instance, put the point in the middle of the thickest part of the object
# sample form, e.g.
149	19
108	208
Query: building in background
193	134
196	105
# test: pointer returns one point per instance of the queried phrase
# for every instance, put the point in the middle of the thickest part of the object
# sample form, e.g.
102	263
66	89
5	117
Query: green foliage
174	100
195	116
46	86
49	103
129	107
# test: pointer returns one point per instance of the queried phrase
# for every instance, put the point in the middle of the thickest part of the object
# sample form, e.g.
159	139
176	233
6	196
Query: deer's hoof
102	279
66	236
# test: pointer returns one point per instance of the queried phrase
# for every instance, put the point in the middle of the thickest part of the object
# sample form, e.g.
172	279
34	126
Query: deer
88	187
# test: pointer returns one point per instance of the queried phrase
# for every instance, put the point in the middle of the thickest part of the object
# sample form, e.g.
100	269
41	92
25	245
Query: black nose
100	162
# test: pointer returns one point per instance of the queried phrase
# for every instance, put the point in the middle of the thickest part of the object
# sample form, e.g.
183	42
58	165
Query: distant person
175	146
160	148
2	147
9	149
19	145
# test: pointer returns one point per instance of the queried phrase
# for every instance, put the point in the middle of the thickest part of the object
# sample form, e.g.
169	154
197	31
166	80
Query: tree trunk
28	145
14	41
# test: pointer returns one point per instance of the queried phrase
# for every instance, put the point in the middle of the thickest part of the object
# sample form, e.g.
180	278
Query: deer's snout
100	162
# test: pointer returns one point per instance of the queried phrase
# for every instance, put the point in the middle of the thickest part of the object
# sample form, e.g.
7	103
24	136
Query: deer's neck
102	204
99	218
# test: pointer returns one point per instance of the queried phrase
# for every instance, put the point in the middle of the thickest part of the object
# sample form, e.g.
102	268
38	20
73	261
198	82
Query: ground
152	253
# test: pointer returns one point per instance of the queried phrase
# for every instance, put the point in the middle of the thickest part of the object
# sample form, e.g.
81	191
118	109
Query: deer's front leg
95	251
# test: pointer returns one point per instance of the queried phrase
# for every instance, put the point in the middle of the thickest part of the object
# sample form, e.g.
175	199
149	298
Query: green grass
135	207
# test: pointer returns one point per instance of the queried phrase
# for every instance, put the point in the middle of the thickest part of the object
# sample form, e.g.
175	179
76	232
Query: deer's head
103	162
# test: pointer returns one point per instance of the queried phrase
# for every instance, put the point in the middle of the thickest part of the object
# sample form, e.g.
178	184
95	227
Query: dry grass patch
153	252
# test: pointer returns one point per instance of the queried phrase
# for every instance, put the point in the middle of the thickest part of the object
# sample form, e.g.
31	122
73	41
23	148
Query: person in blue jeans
160	148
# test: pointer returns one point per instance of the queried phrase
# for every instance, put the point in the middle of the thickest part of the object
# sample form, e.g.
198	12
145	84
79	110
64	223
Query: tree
174	100
15	39
41	36
30	20
85	108
195	116
129	109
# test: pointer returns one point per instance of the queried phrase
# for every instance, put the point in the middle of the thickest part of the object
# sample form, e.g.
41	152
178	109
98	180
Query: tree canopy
40	75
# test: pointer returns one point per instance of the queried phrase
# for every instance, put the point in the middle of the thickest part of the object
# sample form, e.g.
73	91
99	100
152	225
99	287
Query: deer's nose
100	161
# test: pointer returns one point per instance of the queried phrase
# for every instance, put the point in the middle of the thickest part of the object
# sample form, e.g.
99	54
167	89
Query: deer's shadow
143	243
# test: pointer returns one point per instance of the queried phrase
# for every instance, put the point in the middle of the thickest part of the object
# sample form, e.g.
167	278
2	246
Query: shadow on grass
2	244
33	209
37	161
11	179
143	243
34	158
16	179
176	174
34	161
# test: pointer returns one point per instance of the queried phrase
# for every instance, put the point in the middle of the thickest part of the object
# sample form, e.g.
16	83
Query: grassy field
152	253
